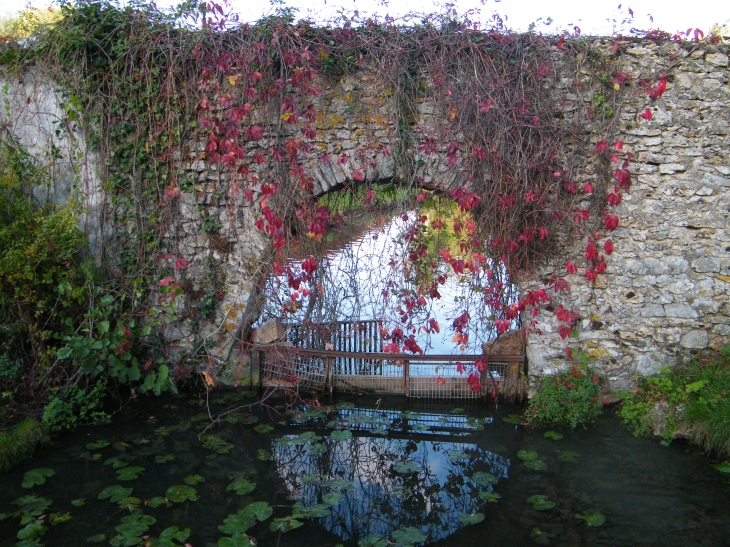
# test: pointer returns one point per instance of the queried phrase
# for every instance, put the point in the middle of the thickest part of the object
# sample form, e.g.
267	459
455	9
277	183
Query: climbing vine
518	131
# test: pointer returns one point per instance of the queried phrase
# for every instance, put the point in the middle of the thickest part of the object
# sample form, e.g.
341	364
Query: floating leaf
457	410
37	477
157	501
408	415
319	510
33	505
58	518
129	473
98	538
489	496
31	531
568	456
164	459
97	445
341	435
285	524
168	535
238	540
132	527
192	480
540	502
344	406
408	537
78	502
592	519
722	467
333	498
116	463
405	467
554	435
242	487
471	518
512	419
180	493
115	493
216	444
484	479
340	484
317	448
129	502
263	428
89	457
263	455
537	465
456	455
526	456
372	540
333	424
305	438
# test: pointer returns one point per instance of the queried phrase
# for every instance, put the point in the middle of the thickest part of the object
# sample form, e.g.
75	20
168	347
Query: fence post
406	377
328	373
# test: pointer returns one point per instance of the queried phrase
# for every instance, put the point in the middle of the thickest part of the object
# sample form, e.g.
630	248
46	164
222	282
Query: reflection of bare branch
380	499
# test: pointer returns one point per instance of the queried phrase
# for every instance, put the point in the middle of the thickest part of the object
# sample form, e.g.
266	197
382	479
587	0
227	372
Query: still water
357	471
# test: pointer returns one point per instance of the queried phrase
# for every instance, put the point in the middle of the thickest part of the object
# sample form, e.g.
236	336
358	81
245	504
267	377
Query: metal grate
281	368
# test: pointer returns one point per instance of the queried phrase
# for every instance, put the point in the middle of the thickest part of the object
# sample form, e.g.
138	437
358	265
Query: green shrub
572	399
695	393
19	443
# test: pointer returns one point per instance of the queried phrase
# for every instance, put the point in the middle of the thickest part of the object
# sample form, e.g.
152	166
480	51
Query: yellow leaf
232	79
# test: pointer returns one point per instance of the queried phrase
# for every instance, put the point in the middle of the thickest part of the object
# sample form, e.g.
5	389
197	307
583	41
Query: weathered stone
653	310
716	59
680	310
268	333
695	339
510	343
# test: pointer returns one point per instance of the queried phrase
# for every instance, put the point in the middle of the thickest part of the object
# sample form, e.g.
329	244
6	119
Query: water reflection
377	485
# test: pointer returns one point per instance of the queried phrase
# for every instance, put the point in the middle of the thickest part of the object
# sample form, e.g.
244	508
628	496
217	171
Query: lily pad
33	505
263	428
554	435
157	501
132	527
527	456
263	455
216	444
164	459
456	455
592	519
340	484
79	502
317	448
241	487
98	538
36	477
471	518
513	419
97	445
129	473
129	502
537	465
237	540
180	493
320	510
540	502
115	493
491	497
405	467
408	537
333	498
58	518
116	463
568	456
285	524
344	406
169	536
192	480
484	479
341	435
372	540
457	410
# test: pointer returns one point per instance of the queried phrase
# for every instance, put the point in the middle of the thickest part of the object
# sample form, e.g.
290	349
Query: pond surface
357	471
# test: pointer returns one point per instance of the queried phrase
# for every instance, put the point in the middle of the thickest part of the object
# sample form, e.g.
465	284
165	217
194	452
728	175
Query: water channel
357	472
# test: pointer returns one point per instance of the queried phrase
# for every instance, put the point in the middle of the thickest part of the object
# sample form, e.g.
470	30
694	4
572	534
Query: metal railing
418	376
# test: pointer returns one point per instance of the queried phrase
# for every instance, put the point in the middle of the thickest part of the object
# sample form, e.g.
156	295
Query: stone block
695	339
268	333
684	311
653	310
706	265
716	59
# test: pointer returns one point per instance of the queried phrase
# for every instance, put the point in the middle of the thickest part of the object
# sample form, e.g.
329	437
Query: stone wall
663	298
666	293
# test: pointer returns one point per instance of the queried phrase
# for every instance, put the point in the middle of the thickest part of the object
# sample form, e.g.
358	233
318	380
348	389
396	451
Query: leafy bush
695	393
567	399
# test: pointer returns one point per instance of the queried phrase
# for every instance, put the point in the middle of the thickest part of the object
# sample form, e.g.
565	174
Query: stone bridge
664	297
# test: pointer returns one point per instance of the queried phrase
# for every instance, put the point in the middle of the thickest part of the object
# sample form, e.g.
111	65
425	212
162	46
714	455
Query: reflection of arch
381	500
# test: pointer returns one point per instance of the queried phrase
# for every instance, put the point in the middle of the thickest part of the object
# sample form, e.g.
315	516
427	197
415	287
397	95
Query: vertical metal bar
328	373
